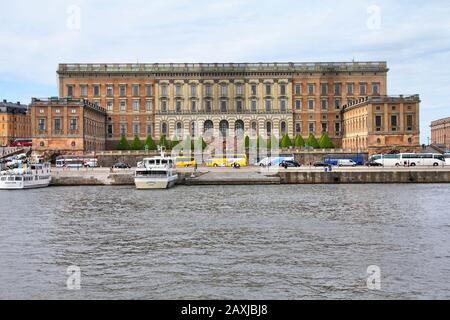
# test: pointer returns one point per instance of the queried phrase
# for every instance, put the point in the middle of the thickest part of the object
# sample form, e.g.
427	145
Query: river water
226	242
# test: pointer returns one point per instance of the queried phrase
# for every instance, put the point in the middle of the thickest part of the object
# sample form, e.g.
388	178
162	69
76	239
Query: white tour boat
156	173
27	176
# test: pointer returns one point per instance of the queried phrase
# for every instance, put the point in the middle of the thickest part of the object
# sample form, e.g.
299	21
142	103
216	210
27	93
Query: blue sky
412	36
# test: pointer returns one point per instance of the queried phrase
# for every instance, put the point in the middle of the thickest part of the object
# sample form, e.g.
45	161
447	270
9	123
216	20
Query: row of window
324	89
224	105
57	124
135	90
223	89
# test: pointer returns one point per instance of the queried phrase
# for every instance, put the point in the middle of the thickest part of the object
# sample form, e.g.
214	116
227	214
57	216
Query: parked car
121	165
289	164
320	164
373	163
346	163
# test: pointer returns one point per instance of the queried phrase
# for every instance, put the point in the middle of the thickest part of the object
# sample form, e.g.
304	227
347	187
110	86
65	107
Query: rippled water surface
230	242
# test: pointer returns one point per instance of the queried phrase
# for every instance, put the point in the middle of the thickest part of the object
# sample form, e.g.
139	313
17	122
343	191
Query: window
193	129
298	104
164	128
208	106
349	88
208	91
193	105
324	127
178	89
311	127
136	129
337	103
337	128
148	90
378	121
268	89
362	88
298	128
337	89
178	106
283	127
394	123
239	89
193	90
136	105
223	106
163	106
282	89
254	128
311	103
253	89
123	105
109	90
73	124
149	129
73	111
324	104
83	90
298	89
324	89
96	90
376	88
239	105
109	129
409	122
149	106
136	90
223	90
164	90
109	105
57	125
70	91
123	129
268	105
311	89
269	128
56	111
122	90
283	105
253	105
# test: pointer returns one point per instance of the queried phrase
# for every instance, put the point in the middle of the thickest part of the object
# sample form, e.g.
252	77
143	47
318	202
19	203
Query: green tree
149	143
312	141
247	142
285	142
260	143
325	142
136	144
269	142
123	144
174	143
163	142
299	142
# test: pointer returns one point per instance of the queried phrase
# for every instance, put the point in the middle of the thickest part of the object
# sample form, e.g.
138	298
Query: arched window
179	130
254	128
193	129
269	128
239	127
223	127
208	125
164	128
283	127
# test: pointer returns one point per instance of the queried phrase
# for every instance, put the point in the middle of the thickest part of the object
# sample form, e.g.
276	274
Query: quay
257	175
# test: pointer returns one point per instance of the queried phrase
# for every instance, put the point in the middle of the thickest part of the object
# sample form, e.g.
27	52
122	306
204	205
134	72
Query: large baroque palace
186	99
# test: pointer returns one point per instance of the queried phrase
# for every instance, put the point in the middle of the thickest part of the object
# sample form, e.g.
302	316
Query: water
226	242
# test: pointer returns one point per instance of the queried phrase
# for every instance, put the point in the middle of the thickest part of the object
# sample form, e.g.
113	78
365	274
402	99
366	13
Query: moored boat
156	173
26	176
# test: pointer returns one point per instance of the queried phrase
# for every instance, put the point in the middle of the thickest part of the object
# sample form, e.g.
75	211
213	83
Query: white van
346	163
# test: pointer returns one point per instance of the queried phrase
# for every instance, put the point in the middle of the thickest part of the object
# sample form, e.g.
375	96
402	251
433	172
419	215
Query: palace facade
15	122
179	99
67	125
440	132
382	124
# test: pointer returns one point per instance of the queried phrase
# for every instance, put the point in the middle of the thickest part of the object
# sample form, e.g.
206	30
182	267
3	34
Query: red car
22	143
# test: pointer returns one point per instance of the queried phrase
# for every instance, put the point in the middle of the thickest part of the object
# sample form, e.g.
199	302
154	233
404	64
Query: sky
412	36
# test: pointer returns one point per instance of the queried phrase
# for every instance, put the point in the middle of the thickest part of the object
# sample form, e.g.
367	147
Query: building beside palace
382	124
186	99
440	132
15	122
67	125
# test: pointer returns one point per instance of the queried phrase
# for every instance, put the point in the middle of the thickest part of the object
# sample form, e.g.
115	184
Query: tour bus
227	160
410	159
184	162
22	143
274	161
76	162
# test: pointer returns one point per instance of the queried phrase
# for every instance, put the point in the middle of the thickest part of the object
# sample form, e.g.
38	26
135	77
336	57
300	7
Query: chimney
18	103
4	101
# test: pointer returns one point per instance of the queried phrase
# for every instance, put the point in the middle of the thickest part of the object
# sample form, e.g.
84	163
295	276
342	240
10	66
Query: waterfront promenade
257	175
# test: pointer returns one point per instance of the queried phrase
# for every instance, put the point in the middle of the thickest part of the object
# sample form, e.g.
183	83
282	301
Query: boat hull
155	183
19	185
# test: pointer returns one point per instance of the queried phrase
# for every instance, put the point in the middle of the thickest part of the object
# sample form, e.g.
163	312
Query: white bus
447	159
409	159
76	162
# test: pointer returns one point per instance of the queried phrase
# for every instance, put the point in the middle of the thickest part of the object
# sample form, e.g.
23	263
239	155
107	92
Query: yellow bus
227	160
184	162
